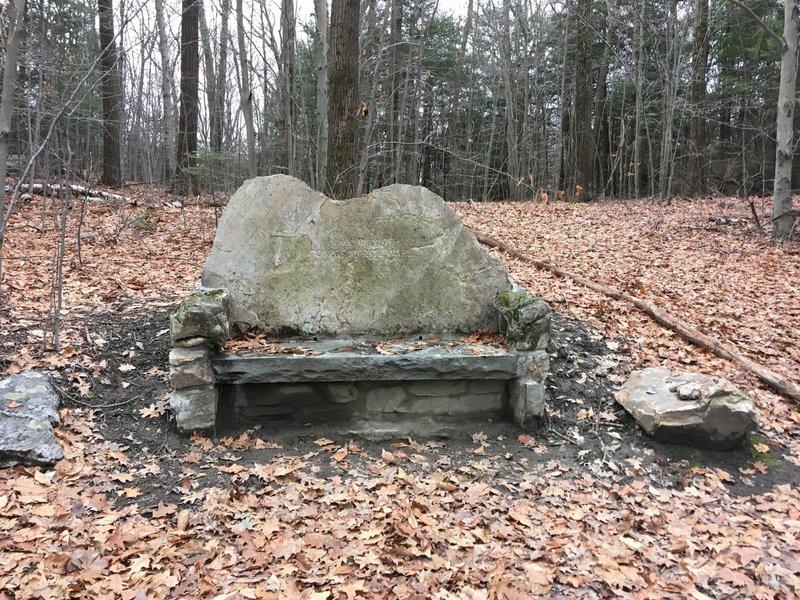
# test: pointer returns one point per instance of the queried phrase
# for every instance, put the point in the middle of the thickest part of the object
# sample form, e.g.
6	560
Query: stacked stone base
340	386
356	379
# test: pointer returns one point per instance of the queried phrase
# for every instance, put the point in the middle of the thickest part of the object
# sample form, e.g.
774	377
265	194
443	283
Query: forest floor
584	507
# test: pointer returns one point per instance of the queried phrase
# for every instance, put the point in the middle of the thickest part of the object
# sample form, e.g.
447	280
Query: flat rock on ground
28	414
688	408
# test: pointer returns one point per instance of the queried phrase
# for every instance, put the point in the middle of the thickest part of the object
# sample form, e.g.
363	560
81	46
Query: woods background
495	99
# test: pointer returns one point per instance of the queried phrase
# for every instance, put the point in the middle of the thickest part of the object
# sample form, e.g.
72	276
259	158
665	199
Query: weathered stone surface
401	400
396	261
195	408
342	393
688	408
386	400
428	364
534	365
525	320
437	388
190	367
204	314
526	401
28	413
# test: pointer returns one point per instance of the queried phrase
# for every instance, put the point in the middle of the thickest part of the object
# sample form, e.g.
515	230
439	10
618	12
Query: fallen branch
687	332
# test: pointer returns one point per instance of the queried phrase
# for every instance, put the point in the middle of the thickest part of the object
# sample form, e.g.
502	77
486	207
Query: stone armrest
202	319
524	320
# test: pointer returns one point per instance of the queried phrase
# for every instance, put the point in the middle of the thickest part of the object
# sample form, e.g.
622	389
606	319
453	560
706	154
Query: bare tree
343	61
697	92
582	147
245	93
185	180
15	15
170	132
287	83
321	66
782	214
111	95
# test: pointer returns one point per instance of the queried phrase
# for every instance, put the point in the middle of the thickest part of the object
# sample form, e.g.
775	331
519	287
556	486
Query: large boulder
28	413
396	261
688	408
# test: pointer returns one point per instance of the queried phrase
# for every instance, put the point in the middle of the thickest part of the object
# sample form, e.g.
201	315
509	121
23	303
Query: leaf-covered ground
585	507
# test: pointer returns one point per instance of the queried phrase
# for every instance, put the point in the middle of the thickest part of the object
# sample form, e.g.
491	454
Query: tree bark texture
582	140
246	93
697	92
170	132
287	84
111	95
321	66
15	15
185	179
516	179
782	214
343	62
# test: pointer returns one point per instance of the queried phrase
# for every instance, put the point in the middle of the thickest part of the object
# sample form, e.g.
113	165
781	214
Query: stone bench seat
376	304
334	360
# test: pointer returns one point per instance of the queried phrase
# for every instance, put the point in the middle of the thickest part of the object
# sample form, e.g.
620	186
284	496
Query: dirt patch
585	430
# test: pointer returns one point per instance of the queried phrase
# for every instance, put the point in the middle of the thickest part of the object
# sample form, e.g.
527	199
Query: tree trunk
782	214
343	61
167	93
697	98
15	15
245	93
218	119
452	120
111	94
515	187
637	133
395	37
185	179
582	155
601	127
287	83
321	65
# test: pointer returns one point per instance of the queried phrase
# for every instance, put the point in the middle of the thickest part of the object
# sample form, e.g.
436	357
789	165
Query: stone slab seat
455	363
398	263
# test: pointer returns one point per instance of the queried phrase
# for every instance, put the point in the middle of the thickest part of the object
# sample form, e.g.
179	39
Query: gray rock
386	400
534	365
204	314
526	401
525	320
190	367
342	393
605	367
195	408
396	261
438	388
28	414
688	408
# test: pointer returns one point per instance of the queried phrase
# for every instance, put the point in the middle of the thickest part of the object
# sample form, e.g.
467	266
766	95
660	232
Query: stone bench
369	306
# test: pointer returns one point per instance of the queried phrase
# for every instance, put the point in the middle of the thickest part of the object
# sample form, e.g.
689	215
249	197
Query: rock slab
396	261
688	408
28	414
